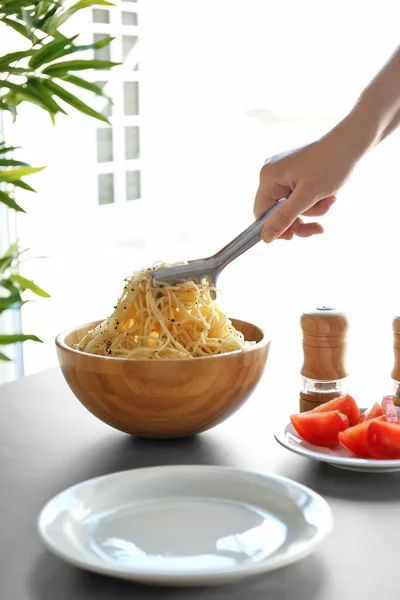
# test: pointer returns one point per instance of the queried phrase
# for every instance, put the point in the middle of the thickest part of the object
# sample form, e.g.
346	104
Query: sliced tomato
372	413
355	438
383	439
389	408
345	404
320	428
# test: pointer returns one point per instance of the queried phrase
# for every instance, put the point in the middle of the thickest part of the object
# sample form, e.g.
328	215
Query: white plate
184	525
337	457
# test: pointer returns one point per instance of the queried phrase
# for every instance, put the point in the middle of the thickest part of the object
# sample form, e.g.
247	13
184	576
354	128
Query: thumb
284	216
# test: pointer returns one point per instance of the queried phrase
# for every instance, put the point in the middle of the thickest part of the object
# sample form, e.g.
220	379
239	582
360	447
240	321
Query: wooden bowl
165	398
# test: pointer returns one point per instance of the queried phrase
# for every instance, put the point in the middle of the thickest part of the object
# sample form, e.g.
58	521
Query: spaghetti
163	322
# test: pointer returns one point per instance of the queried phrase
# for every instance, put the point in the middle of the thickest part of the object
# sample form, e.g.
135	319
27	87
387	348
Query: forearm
394	124
377	112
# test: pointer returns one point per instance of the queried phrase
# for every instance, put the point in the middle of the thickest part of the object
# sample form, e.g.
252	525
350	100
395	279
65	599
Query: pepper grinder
396	367
324	371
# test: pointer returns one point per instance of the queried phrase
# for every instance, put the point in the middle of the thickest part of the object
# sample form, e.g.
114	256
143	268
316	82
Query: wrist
357	133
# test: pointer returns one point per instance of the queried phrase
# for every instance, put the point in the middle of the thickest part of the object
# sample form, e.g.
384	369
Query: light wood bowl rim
60	343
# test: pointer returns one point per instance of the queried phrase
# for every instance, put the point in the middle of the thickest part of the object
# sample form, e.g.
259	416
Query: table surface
49	442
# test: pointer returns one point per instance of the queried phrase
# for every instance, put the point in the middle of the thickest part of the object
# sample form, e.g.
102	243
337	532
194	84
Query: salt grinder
324	371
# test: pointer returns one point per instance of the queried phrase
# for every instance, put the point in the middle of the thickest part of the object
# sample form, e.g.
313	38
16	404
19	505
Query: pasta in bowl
166	363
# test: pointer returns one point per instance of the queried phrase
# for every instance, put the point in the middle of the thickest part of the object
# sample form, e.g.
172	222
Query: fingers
267	196
301	229
287	235
305	230
280	221
320	208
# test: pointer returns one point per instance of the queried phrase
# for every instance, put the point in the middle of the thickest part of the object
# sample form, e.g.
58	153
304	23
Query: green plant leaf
12	249
105	41
87	85
75	102
16	71
23	3
58	35
24	186
49	23
50	51
87	3
95	46
4	149
10	202
47	9
79	6
43	7
26	17
21	93
40	88
52	24
4	357
27	284
6	105
18	27
13	338
6	260
12	57
7	304
19	3
8	162
14	6
62	68
63	48
8	285
13	174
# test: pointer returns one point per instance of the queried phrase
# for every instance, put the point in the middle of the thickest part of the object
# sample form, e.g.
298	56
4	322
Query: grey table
48	442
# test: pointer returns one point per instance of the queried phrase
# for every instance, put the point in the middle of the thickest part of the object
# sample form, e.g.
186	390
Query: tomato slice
345	404
355	438
320	428
383	440
389	408
372	413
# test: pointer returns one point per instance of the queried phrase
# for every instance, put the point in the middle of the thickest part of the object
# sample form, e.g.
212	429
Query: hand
314	173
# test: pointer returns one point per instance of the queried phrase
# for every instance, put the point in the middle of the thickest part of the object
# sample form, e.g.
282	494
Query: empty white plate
338	456
184	525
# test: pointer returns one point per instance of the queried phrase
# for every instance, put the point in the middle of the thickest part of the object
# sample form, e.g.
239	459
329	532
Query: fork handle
245	240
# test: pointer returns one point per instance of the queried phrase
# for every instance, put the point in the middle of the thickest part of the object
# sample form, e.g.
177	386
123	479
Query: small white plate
184	525
337	457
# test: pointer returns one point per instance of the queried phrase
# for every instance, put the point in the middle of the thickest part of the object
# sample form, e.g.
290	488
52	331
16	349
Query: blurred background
206	93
